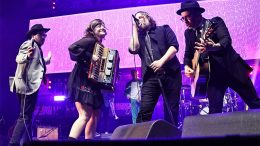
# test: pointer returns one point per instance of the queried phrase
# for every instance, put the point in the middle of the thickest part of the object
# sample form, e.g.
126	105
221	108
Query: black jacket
162	37
224	57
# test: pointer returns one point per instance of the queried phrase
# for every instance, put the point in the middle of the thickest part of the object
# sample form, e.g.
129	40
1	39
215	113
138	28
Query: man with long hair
161	71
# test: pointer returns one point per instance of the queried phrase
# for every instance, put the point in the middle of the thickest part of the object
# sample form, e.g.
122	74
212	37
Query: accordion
105	70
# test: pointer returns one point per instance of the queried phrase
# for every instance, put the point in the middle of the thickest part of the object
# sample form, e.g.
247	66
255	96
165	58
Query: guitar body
196	68
200	77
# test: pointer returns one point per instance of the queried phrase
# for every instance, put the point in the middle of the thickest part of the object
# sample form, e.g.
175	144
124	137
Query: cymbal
190	101
199	97
204	100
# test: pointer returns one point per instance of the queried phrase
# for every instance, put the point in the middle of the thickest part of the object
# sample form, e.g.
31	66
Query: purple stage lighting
238	17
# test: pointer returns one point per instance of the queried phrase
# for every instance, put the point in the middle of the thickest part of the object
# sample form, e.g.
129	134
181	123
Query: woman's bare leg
91	126
84	116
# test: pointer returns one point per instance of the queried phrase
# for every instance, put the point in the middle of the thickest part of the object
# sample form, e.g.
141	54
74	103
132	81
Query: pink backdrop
241	17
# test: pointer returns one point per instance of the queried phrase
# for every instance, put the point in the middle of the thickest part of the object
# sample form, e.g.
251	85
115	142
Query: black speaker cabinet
240	123
158	129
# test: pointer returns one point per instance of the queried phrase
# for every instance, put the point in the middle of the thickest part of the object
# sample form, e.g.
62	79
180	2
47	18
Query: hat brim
185	9
30	32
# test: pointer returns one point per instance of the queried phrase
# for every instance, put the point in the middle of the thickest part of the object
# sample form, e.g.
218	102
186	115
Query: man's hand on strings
207	44
201	46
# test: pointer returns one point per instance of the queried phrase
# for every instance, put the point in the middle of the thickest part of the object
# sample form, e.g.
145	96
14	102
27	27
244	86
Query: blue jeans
135	107
27	105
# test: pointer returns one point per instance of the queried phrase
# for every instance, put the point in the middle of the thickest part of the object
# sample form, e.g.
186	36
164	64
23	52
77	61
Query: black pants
219	81
22	128
151	91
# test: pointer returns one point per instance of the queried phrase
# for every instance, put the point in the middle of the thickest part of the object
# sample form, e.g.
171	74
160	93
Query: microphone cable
139	90
25	96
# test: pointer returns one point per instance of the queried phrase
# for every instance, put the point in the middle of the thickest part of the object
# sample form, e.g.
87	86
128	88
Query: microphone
136	20
33	42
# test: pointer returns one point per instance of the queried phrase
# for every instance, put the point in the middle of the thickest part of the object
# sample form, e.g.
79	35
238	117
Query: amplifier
47	133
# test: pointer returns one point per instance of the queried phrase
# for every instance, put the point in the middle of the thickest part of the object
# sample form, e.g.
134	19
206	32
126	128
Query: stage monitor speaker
158	129
240	123
47	133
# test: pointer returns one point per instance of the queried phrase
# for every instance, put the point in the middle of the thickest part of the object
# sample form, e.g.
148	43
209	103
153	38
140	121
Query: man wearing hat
227	68
30	72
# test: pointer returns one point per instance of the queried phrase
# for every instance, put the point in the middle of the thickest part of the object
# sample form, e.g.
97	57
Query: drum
204	110
229	101
188	108
188	105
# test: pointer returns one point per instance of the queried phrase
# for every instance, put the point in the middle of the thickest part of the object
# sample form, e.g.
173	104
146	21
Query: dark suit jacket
224	57
162	37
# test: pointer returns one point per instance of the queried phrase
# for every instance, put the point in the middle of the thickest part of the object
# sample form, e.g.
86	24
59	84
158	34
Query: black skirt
83	90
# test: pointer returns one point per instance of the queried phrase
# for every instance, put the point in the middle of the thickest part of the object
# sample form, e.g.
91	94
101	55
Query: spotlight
53	5
59	98
49	84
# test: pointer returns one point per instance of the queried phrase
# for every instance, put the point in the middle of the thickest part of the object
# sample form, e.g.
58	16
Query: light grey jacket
29	72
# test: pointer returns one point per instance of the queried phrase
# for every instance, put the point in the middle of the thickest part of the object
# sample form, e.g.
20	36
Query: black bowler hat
188	5
35	29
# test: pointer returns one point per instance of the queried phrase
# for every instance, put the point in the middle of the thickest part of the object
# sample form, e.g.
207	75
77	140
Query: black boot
71	139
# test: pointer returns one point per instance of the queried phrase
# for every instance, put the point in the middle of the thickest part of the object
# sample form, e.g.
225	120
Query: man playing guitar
227	68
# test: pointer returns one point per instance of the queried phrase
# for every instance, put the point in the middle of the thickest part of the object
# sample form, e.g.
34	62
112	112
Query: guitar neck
210	27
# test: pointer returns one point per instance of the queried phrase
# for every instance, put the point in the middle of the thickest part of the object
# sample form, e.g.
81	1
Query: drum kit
198	105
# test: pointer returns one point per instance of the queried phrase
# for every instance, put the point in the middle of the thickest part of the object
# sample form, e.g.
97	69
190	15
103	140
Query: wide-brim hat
188	5
36	28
